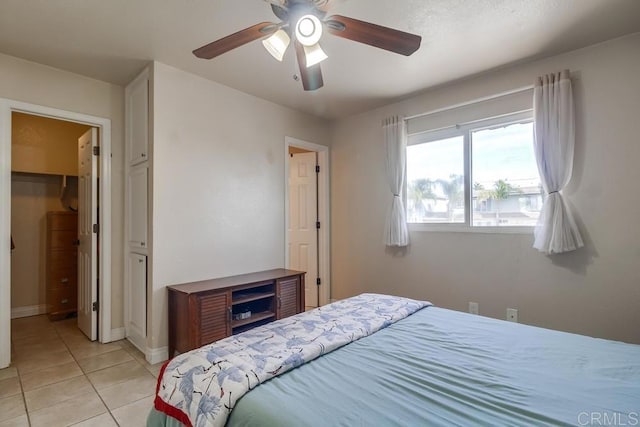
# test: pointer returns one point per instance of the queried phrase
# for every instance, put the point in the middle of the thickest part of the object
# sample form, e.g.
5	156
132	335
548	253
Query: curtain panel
395	140
554	139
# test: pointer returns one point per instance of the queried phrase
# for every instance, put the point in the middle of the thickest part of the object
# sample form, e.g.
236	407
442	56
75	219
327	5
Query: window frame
465	130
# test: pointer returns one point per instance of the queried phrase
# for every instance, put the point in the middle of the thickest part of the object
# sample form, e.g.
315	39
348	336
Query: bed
441	367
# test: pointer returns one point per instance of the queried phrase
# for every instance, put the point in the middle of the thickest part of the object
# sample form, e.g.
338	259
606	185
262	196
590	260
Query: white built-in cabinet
137	201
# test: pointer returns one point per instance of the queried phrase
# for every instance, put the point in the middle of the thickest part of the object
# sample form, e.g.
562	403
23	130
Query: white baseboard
29	310
157	355
117	334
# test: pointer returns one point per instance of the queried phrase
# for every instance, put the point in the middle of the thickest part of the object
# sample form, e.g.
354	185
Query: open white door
303	214
88	236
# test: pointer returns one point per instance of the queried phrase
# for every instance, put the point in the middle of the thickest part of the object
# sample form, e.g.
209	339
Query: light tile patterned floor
59	378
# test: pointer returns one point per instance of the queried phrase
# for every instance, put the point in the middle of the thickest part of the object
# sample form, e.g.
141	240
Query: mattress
440	367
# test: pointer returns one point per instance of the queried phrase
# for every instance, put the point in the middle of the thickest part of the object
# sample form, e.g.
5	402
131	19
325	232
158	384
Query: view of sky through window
504	153
504	180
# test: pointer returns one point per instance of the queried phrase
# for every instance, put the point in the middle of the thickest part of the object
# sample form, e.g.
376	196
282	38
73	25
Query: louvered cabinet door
290	297
214	316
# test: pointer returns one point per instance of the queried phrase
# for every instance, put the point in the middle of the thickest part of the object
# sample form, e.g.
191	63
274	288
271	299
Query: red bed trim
164	407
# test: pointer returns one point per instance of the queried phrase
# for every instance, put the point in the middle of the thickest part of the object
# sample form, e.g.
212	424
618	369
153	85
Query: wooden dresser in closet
62	264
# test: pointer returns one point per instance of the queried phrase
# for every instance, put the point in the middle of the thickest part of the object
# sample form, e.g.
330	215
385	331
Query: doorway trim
324	238
8	106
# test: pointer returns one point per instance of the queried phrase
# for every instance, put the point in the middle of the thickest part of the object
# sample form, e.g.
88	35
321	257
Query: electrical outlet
473	307
512	315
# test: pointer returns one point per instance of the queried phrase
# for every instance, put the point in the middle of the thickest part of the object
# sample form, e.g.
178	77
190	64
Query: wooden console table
203	312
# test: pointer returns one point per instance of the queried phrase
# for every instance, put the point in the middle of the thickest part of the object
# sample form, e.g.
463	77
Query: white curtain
556	231
395	141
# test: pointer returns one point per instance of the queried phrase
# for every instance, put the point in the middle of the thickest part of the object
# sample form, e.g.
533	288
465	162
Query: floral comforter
200	388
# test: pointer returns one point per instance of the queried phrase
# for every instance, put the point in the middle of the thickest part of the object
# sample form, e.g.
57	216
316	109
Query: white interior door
303	236
88	248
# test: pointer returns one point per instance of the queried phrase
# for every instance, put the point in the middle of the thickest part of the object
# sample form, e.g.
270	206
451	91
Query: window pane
506	185
435	181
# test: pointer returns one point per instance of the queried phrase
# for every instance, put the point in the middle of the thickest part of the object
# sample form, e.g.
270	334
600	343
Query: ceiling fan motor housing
308	30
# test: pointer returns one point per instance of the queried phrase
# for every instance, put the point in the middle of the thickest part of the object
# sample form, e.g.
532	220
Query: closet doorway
307	217
49	208
53	208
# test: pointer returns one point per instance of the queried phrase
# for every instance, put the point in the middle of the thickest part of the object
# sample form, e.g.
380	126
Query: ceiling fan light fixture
314	55
308	30
277	44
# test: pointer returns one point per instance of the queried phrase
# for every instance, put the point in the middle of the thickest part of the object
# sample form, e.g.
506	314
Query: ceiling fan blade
235	40
281	12
281	3
311	76
323	5
373	35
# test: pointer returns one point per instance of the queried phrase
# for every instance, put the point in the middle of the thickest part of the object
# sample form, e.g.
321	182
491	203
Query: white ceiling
112	40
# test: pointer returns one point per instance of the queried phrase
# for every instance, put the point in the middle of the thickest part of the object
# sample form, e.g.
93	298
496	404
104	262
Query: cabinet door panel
137	316
289	294
214	317
138	121
137	194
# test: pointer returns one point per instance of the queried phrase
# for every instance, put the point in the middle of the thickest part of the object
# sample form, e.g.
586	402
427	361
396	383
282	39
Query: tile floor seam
24	397
54	383
130	403
88	380
86	374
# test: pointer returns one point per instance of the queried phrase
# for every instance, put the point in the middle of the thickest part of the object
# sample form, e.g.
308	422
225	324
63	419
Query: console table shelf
251	297
255	317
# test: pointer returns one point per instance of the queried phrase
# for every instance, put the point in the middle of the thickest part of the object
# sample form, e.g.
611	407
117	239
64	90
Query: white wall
218	182
593	291
42	85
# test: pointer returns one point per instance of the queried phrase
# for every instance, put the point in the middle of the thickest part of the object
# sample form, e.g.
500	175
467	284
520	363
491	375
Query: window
482	174
435	181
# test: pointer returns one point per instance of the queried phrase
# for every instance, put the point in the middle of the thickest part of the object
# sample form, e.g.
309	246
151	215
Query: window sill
462	228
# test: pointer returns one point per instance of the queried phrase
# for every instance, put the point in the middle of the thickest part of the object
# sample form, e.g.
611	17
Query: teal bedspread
440	368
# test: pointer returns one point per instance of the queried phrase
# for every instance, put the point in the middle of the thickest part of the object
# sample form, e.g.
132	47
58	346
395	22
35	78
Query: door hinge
317	168
318	225
318	281
95	228
96	150
94	306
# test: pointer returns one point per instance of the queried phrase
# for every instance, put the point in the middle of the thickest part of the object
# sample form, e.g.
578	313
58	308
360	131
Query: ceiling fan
304	21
